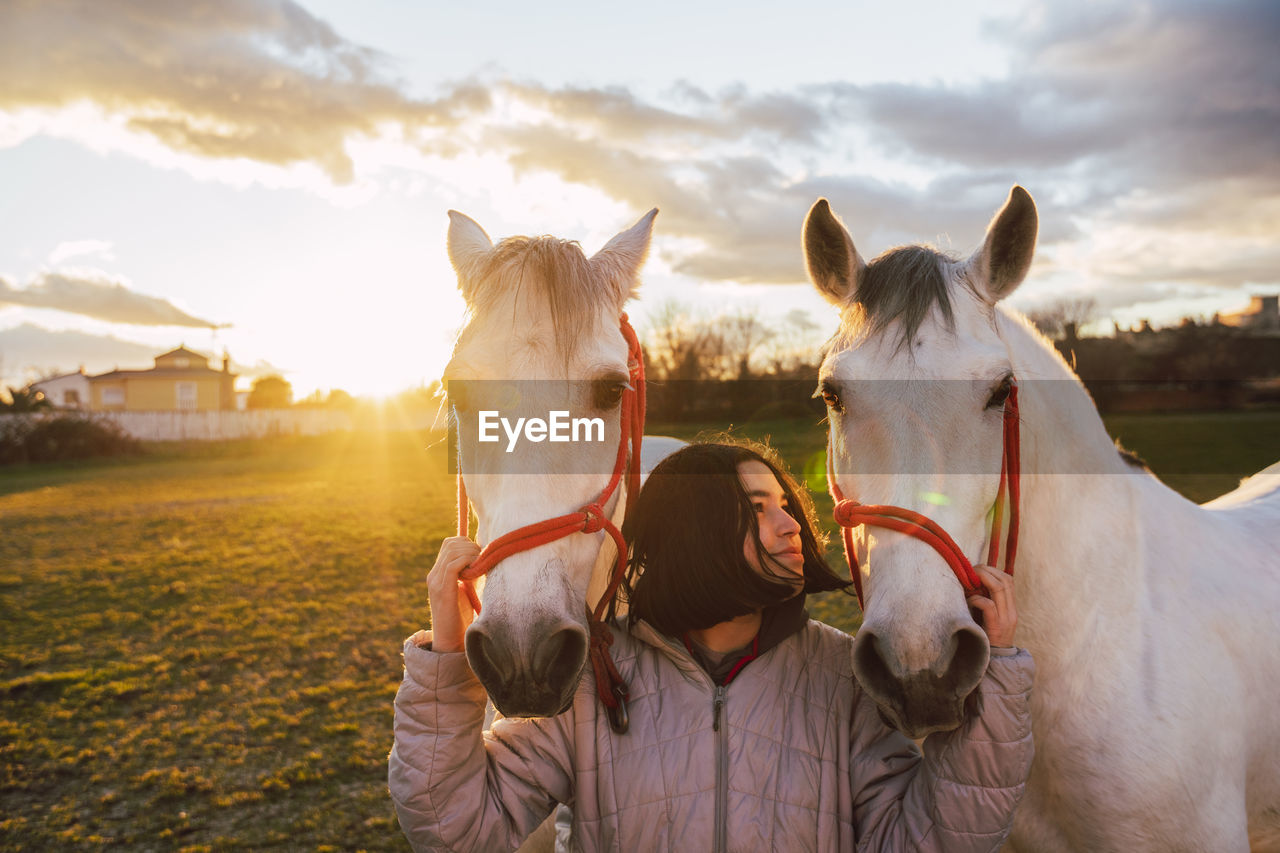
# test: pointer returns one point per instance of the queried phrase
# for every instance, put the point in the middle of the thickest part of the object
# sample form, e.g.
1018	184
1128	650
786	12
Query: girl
747	728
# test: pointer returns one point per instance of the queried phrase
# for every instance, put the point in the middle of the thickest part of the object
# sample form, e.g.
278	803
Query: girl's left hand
999	615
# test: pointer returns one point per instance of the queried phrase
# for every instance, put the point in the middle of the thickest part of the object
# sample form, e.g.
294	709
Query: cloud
257	79
1159	97
1158	121
998	123
1186	257
77	248
29	351
618	114
742	215
730	206
94	294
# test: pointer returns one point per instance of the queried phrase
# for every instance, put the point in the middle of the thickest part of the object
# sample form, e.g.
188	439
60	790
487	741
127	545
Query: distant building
180	381
68	391
1262	315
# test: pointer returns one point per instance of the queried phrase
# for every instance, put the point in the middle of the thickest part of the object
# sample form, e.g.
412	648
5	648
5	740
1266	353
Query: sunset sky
283	170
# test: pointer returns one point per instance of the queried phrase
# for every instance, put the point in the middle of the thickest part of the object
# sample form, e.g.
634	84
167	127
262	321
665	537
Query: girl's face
779	530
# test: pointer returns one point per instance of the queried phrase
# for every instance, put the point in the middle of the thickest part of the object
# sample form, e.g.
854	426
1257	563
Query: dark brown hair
687	570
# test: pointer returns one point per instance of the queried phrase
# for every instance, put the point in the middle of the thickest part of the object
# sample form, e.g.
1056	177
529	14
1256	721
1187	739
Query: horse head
915	381
542	337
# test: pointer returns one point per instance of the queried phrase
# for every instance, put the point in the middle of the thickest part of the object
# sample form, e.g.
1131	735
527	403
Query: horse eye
1000	394
830	396
606	393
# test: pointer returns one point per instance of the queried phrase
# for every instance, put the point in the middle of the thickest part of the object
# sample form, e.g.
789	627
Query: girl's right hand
451	610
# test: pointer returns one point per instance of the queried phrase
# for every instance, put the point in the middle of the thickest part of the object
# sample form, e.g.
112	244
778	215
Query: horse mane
550	270
904	284
1132	459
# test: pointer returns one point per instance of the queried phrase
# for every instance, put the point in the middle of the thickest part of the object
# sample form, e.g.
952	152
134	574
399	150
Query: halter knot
594	520
845	513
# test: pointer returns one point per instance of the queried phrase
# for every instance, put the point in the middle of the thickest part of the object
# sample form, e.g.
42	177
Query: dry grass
203	652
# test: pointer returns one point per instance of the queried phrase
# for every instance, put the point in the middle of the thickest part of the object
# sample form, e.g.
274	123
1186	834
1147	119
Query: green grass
201	646
1202	455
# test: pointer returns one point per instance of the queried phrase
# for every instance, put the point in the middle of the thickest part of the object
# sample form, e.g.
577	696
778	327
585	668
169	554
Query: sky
271	178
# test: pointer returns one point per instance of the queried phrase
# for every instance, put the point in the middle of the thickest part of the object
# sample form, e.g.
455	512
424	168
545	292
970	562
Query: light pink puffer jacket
798	758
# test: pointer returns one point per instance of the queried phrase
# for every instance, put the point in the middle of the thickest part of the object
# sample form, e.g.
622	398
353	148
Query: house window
113	396
186	395
71	397
182	361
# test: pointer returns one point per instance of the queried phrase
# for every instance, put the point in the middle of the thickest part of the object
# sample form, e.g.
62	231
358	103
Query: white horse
1152	621
542	336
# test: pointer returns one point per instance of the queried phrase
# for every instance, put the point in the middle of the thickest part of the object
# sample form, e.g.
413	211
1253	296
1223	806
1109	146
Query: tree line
736	365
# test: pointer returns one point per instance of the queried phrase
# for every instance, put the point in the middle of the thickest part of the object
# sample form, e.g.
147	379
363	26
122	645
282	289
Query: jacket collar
777	623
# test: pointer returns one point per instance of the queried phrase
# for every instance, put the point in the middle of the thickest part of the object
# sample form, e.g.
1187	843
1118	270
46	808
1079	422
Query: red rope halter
850	514
590	518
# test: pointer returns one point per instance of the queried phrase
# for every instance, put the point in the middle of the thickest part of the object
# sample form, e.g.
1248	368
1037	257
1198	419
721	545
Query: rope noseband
850	514
590	518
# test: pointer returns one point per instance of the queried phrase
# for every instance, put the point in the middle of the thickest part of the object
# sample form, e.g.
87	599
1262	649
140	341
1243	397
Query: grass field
200	649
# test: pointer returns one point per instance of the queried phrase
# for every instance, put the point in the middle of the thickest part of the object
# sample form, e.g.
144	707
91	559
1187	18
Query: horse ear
620	260
1005	257
468	247
830	258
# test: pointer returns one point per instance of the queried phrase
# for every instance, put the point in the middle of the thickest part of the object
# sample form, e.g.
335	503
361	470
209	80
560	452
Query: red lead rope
850	514
588	519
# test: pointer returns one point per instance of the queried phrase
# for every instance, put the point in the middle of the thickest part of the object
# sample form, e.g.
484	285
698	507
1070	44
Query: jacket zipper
721	730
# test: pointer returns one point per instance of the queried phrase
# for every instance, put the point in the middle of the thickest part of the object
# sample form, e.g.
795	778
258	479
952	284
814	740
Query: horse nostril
870	667
969	660
491	663
954	672
960	666
558	658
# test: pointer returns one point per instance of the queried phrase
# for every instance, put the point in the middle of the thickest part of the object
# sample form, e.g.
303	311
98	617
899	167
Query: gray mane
549	270
903	284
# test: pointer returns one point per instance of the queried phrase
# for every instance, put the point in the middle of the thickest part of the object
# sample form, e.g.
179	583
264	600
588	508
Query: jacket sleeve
456	787
962	793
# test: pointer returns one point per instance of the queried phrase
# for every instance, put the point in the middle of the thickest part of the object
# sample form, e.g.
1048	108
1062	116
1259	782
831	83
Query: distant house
1262	315
180	381
68	391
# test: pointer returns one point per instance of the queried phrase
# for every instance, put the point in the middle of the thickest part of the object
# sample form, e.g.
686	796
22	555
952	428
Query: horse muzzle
918	702
534	679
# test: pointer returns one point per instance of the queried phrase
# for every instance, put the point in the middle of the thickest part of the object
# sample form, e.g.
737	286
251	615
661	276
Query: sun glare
367	364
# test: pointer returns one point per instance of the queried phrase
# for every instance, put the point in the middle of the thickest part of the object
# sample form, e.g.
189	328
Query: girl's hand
999	617
451	611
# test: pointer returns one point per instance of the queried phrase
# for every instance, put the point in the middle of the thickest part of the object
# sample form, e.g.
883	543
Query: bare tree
741	335
1055	319
795	343
679	343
